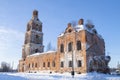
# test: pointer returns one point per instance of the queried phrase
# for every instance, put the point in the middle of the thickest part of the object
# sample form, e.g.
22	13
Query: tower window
70	46
61	48
37	19
37	39
70	63
69	30
37	36
36	50
79	64
40	28
36	24
78	45
62	64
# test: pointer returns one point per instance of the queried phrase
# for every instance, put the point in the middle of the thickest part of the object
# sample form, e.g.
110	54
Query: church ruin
77	48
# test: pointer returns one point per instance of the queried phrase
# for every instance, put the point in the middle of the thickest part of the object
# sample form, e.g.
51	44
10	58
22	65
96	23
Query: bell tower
33	37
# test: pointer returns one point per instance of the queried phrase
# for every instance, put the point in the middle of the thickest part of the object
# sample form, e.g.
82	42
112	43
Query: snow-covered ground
55	76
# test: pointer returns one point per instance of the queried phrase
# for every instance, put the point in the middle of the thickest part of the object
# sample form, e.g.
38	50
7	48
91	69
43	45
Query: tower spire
35	14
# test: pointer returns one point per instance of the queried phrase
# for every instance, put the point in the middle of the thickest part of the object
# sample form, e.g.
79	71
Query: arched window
70	46
43	64
40	28
61	48
36	50
48	64
62	64
36	36
35	64
53	63
29	65
36	24
37	19
37	39
70	63
78	45
32	65
69	30
79	63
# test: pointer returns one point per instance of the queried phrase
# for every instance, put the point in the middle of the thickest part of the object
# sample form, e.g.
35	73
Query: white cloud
11	42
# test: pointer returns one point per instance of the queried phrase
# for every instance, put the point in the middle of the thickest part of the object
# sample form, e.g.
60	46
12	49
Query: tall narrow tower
33	37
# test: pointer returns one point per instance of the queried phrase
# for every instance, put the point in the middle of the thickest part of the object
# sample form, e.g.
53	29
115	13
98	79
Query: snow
37	31
87	46
99	36
83	27
62	34
80	27
36	54
57	76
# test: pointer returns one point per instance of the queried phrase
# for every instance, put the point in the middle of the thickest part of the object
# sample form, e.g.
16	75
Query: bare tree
118	66
49	46
5	67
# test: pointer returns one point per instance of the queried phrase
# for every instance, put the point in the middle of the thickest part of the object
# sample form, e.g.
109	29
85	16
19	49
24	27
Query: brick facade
74	49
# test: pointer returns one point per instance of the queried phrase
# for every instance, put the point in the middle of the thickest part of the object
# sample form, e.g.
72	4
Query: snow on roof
99	36
36	54
77	28
90	29
80	27
62	34
37	31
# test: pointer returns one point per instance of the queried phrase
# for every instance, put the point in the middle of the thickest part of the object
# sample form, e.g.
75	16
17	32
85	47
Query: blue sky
55	15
